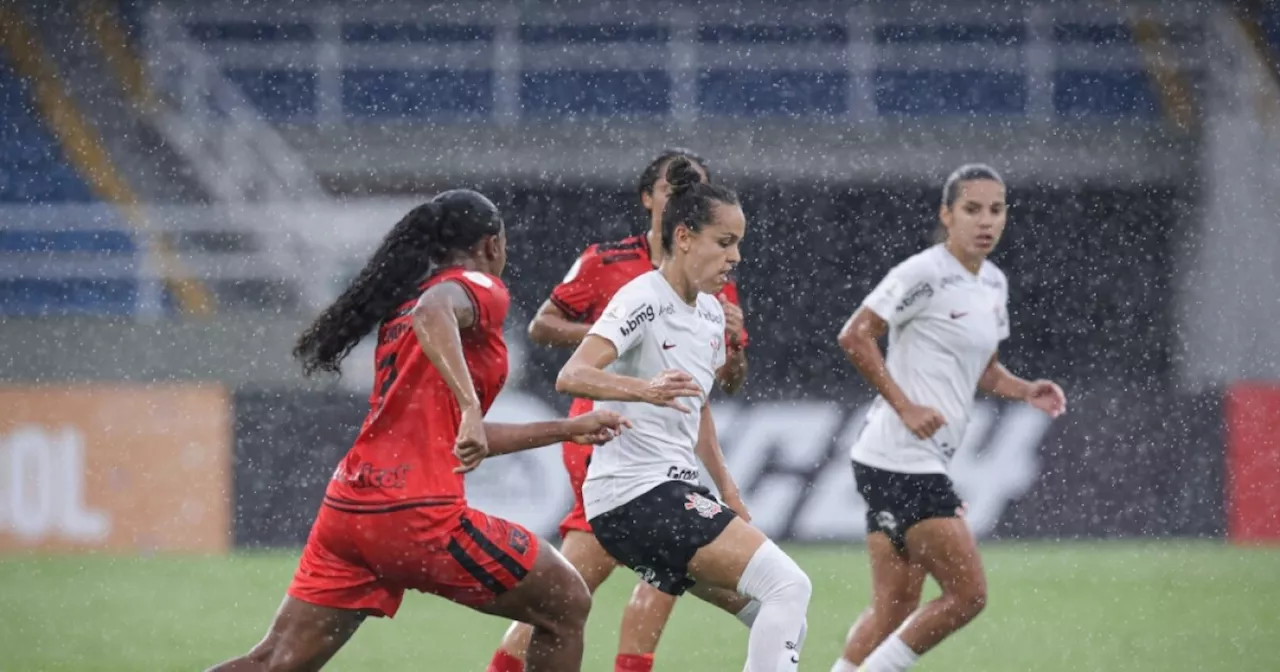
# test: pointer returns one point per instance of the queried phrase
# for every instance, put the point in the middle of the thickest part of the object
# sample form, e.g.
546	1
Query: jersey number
387	364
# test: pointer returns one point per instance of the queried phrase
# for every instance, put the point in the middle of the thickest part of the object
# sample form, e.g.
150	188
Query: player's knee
567	612
970	599
772	576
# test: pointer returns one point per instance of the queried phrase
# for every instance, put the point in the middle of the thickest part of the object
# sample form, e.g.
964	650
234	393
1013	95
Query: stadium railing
84	259
496	63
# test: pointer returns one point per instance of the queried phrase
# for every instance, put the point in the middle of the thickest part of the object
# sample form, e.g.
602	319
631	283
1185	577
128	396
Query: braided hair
452	222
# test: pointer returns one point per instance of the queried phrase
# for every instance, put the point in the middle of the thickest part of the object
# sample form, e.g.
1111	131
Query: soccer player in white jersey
946	311
653	355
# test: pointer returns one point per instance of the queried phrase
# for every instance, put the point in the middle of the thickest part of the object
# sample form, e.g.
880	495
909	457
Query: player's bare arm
551	327
858	340
1045	395
441	313
596	427
708	451
584	376
998	381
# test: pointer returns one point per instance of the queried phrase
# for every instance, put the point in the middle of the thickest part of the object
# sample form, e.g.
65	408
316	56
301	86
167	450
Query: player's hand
732	321
667	387
472	446
923	421
1048	397
733	500
596	427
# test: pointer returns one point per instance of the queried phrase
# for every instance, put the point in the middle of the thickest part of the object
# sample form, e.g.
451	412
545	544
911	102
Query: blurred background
184	185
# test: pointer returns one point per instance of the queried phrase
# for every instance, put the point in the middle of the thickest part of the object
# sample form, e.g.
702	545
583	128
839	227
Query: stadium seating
35	172
799	69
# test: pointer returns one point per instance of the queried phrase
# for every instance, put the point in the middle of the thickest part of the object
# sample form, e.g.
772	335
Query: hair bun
682	174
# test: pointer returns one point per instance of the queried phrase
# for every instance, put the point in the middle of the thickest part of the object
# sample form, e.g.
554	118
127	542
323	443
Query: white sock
783	590
893	655
748	618
843	665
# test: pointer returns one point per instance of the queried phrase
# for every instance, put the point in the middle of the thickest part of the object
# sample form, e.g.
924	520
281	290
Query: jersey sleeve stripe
565	308
494	551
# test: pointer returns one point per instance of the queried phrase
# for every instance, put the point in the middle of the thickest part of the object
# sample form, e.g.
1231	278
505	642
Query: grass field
1069	607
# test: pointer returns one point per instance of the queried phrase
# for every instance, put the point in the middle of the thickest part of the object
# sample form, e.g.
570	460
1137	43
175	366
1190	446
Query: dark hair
691	200
969	172
651	172
429	235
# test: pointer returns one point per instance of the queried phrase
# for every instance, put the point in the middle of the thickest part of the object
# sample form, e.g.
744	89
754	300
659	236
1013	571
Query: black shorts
658	533
896	501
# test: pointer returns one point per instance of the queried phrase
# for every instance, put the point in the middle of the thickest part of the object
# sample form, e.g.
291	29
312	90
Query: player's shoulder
468	279
639	295
642	287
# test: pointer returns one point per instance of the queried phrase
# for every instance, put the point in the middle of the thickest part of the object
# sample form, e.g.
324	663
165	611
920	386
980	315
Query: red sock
633	662
504	662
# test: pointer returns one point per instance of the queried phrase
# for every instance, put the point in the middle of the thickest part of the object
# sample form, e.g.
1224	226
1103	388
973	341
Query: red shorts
366	560
576	458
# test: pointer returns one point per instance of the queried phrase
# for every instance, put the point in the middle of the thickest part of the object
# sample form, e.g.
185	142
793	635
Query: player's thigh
722	562
725	599
305	636
552	594
585	553
946	549
895	580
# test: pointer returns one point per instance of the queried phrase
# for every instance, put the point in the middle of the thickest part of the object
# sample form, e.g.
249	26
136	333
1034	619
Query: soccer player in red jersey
562	321
395	514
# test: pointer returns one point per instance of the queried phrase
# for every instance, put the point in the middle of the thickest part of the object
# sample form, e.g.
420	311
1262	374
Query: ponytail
388	279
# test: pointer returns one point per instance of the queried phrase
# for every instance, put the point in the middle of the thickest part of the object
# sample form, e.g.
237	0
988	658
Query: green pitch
1068	607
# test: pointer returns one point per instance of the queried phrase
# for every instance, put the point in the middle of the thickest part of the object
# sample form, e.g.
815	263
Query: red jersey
404	452
598	274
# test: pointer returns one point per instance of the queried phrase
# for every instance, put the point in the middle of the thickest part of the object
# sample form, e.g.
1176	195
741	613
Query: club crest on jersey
715	343
707	508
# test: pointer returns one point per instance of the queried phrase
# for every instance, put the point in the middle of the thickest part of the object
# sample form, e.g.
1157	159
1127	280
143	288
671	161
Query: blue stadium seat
250	31
48	296
595	93
1105	92
1087	33
280	95
997	34
821	33
409	32
750	93
34	169
924	93
102	241
594	33
417	93
1271	30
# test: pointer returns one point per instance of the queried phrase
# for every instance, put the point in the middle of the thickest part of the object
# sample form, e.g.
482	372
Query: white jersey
653	330
945	324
